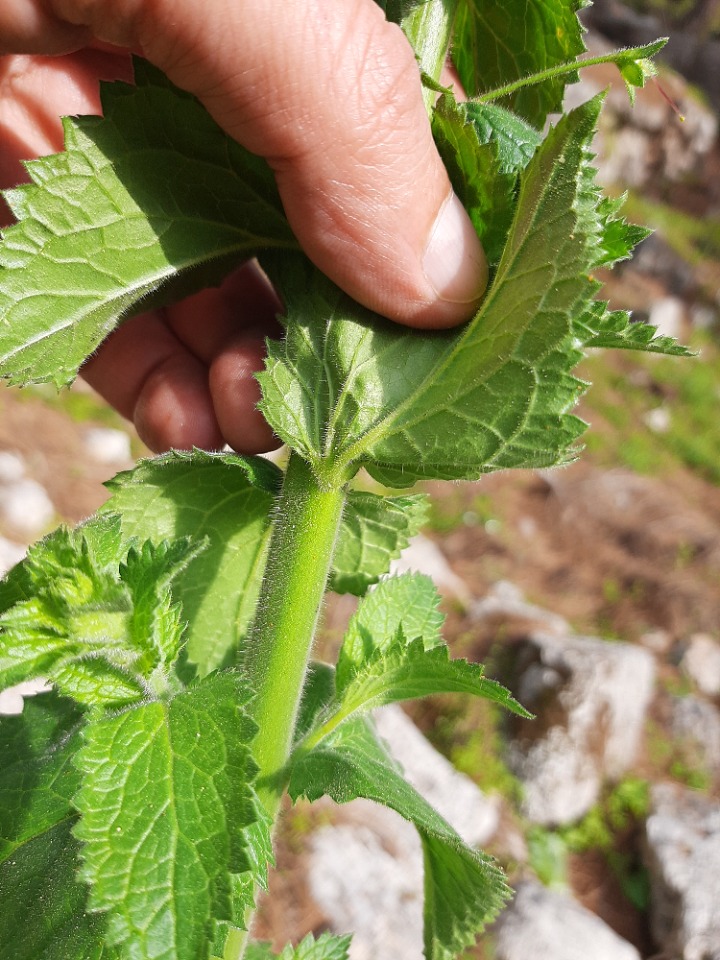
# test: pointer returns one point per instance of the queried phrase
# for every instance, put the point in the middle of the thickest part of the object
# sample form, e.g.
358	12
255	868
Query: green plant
601	829
176	626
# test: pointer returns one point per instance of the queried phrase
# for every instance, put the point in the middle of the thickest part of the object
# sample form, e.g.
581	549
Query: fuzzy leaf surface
447	405
165	799
485	187
43	905
409	603
223	499
152	196
515	139
98	629
346	389
500	41
464	890
326	947
407	671
373	533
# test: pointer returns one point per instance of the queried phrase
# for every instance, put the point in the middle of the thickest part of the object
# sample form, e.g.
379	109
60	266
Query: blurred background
593	592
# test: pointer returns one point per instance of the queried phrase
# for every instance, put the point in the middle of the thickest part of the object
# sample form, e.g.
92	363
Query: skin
330	95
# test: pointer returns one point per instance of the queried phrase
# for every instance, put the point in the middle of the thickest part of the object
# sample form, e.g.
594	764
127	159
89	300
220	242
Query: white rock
454	795
423	556
366	887
366	873
109	446
683	858
701	662
658	419
505	601
668	315
25	506
10	554
542	924
12	699
591	699
696	724
12	467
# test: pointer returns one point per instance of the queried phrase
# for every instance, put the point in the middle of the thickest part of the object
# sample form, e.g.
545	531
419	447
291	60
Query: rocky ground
593	592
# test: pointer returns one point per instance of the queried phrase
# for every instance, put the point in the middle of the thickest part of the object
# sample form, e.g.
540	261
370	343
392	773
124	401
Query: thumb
330	94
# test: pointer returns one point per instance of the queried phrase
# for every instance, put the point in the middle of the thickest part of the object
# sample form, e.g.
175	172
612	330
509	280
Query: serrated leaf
407	671
165	799
326	947
37	779
636	66
494	394
410	601
373	532
154	194
43	906
515	139
464	890
500	41
600	327
619	238
476	173
100	633
224	500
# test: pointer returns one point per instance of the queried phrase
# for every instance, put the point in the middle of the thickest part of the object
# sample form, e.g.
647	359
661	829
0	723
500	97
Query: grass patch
627	388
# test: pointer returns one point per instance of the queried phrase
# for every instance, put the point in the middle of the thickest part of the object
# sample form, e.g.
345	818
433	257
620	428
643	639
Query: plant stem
572	66
307	518
429	28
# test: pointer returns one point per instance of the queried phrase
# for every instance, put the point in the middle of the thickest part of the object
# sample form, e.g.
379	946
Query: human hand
330	96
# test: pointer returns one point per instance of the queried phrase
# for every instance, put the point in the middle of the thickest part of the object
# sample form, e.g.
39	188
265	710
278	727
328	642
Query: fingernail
454	261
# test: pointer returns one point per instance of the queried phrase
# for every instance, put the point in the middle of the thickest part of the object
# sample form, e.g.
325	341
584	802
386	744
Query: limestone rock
505	605
701	662
590	697
683	858
454	795
695	724
366	877
10	554
26	507
105	445
365	872
546	924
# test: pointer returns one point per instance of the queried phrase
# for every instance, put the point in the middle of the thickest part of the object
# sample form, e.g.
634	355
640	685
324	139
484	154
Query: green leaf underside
407	671
464	890
225	500
326	947
373	533
486	190
165	800
101	630
409	602
500	41
515	139
37	779
392	651
151	195
43	905
347	389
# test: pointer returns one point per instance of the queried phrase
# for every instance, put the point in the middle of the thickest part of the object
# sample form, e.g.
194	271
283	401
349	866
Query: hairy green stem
307	518
572	66
306	521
